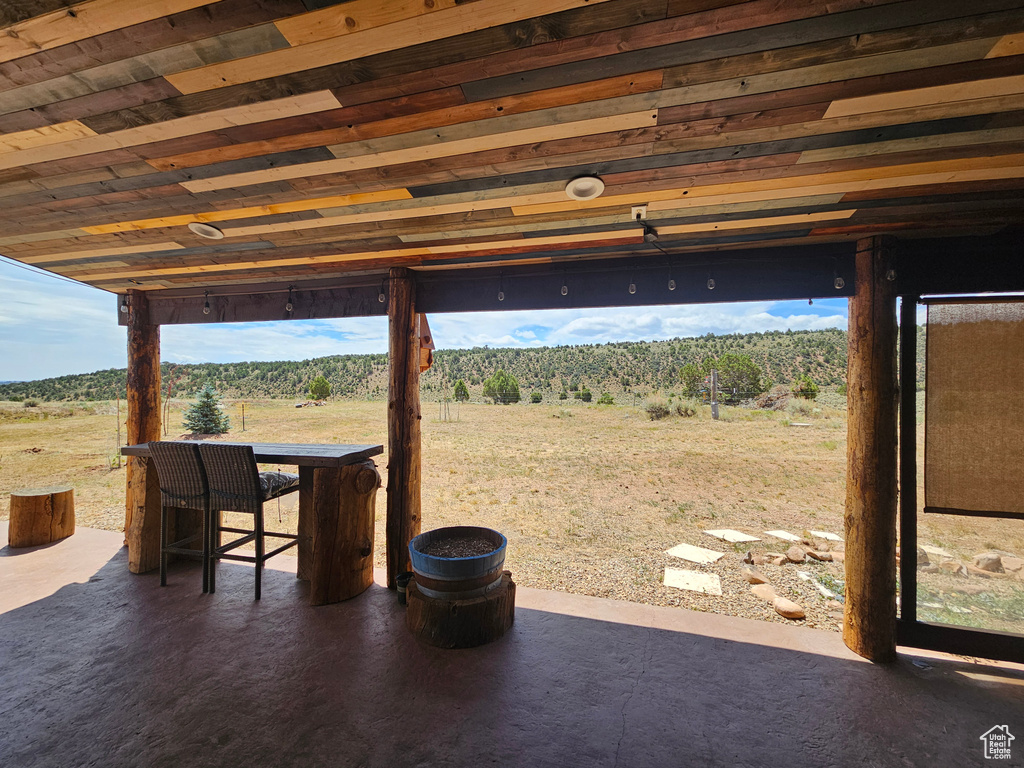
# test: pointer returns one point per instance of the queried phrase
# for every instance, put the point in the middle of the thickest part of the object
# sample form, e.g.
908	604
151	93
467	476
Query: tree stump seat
41	515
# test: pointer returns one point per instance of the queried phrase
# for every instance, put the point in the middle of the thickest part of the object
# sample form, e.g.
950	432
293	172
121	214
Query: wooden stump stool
41	515
461	623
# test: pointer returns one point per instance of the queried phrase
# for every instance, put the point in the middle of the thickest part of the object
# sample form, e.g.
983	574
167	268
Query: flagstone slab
695	554
826	535
693	581
786	535
937	551
732	536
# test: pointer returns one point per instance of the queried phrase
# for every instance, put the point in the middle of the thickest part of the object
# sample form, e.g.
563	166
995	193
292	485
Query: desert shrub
461	391
536	397
799	407
30	403
606	399
804	386
585	395
205	416
657	409
686	409
832	400
563	395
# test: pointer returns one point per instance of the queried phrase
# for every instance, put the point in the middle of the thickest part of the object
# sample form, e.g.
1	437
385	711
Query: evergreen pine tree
461	391
205	417
320	389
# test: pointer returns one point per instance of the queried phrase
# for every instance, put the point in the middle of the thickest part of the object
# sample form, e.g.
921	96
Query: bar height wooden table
337	494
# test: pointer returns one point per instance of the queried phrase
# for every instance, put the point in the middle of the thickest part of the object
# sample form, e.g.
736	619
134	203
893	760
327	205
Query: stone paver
695	554
694	581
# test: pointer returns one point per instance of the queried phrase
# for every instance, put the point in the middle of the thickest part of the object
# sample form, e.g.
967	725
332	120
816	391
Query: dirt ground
589	496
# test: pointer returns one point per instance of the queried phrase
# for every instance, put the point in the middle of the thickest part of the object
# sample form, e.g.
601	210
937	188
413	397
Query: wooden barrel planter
460	596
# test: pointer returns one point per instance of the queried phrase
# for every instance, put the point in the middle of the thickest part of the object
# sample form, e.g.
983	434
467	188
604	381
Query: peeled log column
341	531
142	513
41	515
403	516
869	620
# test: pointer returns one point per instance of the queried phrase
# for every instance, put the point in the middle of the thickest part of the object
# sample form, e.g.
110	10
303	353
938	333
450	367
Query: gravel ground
638	578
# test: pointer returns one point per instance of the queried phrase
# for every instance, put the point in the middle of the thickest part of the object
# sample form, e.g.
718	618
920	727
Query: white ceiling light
584	188
208	231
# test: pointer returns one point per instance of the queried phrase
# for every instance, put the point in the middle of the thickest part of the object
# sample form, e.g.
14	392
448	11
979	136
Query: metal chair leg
206	551
212	564
163	546
259	551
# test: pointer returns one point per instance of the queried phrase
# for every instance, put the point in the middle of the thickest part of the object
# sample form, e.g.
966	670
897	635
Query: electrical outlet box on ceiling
638	212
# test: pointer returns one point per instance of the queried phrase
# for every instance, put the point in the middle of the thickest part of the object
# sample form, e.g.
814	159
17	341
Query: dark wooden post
142	526
869	621
403	516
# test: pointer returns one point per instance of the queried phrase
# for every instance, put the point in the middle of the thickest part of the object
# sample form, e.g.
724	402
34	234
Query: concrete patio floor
103	668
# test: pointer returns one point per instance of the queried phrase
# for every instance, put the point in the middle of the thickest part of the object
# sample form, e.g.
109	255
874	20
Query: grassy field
589	496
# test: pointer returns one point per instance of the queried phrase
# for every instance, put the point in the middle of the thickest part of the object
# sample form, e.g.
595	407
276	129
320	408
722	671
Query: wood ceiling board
42	137
352	129
598	239
296	132
940	141
445	23
86	254
1009	45
738	146
920	97
875	178
183	126
991	27
146	66
486	141
704	46
718	166
82	108
212	216
643	36
175	29
381	69
84	20
355	16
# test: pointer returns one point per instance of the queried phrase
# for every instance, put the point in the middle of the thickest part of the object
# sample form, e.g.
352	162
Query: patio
103	667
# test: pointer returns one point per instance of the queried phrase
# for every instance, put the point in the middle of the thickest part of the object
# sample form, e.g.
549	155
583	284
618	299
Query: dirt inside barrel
459	546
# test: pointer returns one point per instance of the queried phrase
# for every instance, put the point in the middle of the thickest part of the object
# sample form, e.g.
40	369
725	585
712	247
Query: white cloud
50	327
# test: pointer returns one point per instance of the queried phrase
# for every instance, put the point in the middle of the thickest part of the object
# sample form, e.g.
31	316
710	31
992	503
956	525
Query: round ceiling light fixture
208	231
584	188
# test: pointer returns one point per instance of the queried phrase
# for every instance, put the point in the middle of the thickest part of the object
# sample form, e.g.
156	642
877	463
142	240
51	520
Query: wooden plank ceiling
338	139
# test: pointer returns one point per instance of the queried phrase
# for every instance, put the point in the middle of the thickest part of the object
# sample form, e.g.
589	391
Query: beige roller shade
974	422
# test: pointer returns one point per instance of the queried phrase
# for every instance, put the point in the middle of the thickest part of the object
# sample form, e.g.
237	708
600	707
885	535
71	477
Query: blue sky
49	327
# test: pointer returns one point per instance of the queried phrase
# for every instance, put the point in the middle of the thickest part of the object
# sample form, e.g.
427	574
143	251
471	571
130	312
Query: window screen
974	414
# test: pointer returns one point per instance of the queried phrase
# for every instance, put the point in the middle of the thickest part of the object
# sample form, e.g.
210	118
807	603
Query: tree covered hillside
643	367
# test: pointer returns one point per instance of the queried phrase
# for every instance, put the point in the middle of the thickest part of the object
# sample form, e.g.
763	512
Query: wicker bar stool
182	486
236	485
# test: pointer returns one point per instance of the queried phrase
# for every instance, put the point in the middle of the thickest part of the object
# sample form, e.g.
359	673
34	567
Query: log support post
403	496
142	513
869	620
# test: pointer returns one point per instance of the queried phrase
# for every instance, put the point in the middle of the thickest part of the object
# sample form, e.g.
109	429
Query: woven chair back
183	481
233	476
